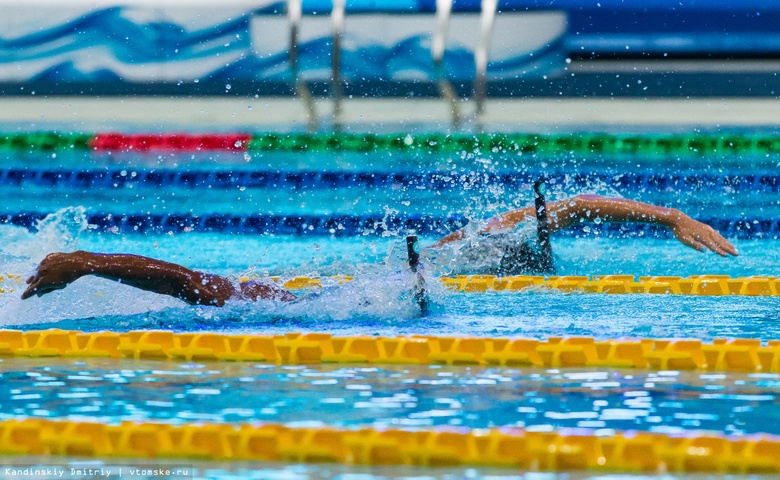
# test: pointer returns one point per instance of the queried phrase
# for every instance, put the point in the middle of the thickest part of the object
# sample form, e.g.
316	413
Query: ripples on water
378	301
404	397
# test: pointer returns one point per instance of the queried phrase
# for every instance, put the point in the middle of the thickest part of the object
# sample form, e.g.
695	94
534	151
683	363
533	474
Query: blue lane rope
120	178
352	225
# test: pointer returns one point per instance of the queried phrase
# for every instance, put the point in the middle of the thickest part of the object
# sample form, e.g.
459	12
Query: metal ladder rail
443	12
486	19
337	15
294	14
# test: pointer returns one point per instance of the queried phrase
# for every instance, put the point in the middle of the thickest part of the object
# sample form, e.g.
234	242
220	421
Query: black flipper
543	229
419	294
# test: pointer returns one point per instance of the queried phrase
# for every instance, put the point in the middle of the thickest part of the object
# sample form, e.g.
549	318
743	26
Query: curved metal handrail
337	15
486	19
294	14
443	11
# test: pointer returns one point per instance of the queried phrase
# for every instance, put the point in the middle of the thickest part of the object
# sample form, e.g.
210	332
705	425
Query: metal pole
486	19
337	14
443	11
294	14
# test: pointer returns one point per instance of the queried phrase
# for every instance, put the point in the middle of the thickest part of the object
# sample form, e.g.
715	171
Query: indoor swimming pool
331	213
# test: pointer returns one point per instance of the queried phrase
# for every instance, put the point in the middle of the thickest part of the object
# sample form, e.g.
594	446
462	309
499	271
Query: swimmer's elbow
587	197
197	297
207	290
580	206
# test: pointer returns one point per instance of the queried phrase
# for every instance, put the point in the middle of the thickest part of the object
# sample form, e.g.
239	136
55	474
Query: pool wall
383	48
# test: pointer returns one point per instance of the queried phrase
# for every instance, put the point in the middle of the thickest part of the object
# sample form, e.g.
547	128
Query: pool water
107	391
378	301
352	183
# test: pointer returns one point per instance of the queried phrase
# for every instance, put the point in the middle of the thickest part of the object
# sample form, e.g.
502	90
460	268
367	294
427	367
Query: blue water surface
379	302
111	391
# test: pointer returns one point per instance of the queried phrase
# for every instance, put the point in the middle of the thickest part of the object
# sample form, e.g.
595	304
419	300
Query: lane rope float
369	224
699	285
567	449
703	285
699	144
121	178
737	355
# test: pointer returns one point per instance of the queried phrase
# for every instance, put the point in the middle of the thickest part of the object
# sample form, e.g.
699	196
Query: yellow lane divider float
9	281
539	451
743	355
620	284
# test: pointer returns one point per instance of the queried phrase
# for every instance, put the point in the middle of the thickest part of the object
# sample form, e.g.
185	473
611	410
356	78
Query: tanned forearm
157	276
58	270
565	213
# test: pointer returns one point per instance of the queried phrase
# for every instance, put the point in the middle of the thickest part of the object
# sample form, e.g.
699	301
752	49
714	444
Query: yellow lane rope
743	355
617	284
10	282
538	451
709	285
621	284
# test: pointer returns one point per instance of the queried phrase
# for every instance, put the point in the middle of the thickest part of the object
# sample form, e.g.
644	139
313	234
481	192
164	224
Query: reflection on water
383	397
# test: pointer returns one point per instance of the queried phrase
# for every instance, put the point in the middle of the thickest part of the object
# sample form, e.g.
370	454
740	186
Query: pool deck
288	114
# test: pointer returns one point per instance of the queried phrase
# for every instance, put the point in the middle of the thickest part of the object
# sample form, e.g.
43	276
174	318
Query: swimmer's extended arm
565	213
58	270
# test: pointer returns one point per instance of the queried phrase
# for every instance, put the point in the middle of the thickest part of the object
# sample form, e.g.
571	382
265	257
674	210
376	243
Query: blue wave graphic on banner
111	33
67	72
127	41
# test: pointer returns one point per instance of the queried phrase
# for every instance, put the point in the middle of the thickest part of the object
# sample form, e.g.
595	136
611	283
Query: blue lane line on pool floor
193	179
352	225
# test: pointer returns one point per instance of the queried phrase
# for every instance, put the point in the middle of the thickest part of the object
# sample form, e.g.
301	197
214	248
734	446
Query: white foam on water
378	291
21	252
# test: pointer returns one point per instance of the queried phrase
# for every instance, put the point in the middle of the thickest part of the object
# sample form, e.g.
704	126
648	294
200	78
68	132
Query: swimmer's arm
58	270
565	213
688	231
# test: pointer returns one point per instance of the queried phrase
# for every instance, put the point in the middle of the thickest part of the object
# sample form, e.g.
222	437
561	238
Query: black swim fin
419	293
545	255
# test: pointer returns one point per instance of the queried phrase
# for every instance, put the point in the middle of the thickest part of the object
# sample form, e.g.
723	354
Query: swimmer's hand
55	272
699	236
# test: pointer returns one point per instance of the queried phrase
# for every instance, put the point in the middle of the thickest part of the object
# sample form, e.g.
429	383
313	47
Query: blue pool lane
377	301
112	391
236	216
